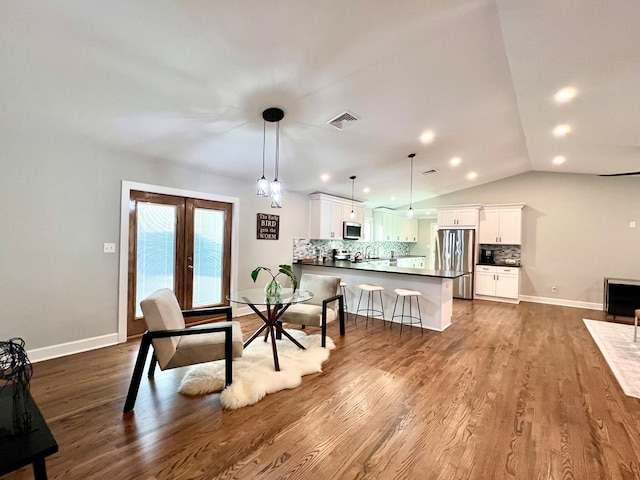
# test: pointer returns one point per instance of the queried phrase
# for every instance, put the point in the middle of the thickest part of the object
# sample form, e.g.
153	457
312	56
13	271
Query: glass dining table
275	307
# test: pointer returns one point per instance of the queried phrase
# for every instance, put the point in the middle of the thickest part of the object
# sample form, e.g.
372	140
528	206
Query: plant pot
273	288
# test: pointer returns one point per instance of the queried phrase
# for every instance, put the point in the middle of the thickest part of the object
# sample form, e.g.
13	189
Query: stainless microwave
351	231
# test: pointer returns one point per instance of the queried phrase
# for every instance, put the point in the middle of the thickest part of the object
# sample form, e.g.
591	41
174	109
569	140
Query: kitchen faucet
366	250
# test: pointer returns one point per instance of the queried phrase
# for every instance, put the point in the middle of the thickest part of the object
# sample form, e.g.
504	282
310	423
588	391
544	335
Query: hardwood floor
506	392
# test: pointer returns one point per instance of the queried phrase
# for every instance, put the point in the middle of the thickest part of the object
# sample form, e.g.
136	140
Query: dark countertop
373	267
517	265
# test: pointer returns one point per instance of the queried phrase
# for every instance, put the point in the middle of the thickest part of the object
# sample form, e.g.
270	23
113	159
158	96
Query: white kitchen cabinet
327	214
411	262
384	226
390	226
458	217
501	225
500	282
409	231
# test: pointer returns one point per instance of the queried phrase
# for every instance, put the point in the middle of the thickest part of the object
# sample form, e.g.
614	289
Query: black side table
32	447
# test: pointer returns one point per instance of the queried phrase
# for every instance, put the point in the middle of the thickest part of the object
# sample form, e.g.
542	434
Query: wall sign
268	227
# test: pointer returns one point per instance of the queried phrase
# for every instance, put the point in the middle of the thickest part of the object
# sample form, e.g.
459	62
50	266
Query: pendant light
352	215
410	211
263	183
272	115
276	186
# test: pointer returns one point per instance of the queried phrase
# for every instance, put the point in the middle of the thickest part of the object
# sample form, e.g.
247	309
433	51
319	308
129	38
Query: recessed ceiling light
366	189
561	130
427	137
455	161
565	94
472	175
325	177
559	160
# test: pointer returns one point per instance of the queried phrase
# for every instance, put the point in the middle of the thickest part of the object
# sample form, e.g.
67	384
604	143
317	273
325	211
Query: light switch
109	248
632	224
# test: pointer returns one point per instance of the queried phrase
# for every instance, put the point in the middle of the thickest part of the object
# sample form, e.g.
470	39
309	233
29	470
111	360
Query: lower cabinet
502	282
411	262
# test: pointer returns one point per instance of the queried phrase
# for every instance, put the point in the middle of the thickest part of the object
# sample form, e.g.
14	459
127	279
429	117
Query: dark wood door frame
184	249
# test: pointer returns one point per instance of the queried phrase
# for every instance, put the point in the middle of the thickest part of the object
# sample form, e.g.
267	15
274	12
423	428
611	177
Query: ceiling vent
429	172
339	121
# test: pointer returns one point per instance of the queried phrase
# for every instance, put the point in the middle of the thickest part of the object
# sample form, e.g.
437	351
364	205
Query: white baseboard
55	351
497	299
63	349
561	302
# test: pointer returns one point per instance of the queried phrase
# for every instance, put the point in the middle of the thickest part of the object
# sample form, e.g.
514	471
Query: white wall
60	201
575	230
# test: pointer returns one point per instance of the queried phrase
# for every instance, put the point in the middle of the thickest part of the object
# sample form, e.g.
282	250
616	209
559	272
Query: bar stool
370	311
413	320
343	290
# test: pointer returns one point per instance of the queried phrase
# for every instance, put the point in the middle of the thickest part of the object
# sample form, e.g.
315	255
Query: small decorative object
15	373
274	287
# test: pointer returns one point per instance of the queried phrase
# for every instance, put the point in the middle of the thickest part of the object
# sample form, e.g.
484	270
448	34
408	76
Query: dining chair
322	308
175	345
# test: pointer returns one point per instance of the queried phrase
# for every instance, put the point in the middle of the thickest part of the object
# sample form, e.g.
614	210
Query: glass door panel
156	249
208	250
178	243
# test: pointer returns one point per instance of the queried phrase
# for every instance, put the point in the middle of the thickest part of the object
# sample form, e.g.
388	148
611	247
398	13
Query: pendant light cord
410	211
264	135
353	214
277	147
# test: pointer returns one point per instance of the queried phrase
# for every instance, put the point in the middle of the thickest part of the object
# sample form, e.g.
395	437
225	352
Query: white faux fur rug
254	375
615	341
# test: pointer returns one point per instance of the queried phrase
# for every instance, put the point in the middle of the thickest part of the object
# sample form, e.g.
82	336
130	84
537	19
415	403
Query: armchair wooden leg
324	331
228	357
152	365
341	315
137	373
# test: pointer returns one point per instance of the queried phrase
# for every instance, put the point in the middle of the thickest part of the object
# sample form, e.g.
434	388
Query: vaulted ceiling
186	82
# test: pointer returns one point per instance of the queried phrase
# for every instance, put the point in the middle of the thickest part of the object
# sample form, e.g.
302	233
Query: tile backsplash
305	248
504	252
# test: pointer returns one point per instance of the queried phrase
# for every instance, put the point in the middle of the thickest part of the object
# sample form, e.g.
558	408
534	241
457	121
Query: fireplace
621	296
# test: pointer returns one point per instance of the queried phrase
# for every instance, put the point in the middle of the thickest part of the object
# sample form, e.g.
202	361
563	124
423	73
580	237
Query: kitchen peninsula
436	286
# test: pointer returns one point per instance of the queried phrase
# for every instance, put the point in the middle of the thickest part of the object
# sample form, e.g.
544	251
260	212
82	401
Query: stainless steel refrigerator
455	251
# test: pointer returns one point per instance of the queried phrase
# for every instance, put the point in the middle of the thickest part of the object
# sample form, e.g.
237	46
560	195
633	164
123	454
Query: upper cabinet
327	214
501	224
392	226
458	216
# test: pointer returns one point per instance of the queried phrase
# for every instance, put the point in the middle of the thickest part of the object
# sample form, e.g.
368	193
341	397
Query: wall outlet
109	248
554	288
632	224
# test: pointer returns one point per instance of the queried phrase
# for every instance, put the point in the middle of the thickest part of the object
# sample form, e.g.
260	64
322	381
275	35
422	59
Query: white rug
615	341
254	375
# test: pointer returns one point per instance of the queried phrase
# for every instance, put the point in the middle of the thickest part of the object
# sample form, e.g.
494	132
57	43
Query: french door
178	243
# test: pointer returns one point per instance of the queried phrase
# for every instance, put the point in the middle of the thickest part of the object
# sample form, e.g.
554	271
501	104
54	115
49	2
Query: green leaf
254	274
288	271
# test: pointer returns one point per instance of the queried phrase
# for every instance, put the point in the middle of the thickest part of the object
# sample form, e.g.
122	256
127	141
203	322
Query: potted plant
273	288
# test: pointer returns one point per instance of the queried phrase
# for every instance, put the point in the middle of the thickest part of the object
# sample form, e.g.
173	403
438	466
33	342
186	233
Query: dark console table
621	296
32	447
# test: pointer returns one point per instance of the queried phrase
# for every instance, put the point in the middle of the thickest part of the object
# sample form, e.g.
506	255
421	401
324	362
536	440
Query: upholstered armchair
174	345
322	308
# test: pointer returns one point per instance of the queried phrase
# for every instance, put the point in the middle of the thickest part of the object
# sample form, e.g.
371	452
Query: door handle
190	267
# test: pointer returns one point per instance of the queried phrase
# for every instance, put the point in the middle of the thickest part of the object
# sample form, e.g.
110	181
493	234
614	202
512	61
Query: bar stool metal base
343	290
412	319
370	310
